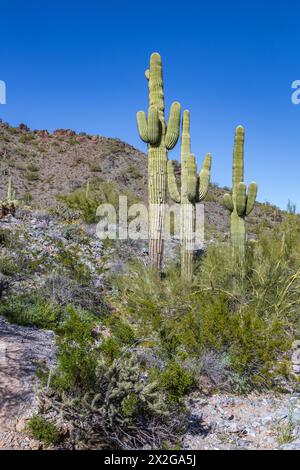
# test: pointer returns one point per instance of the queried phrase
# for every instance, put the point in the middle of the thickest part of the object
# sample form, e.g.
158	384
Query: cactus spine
160	138
194	189
240	204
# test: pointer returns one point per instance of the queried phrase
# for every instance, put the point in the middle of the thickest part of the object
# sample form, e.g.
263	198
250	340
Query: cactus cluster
160	137
194	189
240	203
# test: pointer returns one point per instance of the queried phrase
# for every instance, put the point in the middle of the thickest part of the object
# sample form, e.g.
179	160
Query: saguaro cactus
160	138
240	204
9	204
194	189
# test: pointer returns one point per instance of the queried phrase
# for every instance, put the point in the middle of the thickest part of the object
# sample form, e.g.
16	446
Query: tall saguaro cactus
194	189
240	204
160	138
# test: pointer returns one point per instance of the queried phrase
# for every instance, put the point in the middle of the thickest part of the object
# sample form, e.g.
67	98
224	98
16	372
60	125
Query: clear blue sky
81	65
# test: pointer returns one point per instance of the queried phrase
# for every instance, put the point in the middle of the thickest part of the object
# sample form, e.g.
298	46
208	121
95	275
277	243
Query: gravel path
21	350
244	422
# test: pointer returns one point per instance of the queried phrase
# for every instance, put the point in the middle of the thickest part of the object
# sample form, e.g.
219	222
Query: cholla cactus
9	204
160	138
240	204
194	189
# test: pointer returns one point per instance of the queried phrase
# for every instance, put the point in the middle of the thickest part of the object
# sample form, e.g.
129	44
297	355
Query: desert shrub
32	167
121	331
63	289
69	258
31	310
4	138
8	264
42	430
32	176
26	138
176	381
74	232
133	171
5	237
249	312
77	358
87	204
95	167
108	402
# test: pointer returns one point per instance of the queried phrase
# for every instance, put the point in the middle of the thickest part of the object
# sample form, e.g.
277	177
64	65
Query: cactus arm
142	126
185	137
204	178
227	201
252	193
9	189
192	179
241	199
172	184
173	128
154	126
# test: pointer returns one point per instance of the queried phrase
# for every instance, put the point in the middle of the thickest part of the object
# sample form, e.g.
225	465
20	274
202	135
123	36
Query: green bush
8	265
100	193
26	138
176	381
43	430
6	237
70	260
77	358
32	176
32	167
31	310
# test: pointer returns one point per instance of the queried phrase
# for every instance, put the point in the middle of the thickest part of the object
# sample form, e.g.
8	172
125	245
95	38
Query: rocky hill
47	165
44	165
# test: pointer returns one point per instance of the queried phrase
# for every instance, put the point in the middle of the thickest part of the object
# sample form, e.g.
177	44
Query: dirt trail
21	350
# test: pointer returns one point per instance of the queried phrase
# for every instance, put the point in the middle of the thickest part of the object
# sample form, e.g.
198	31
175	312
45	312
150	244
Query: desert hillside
45	166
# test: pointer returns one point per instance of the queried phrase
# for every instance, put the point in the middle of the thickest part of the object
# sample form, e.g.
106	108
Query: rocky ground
254	422
21	351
